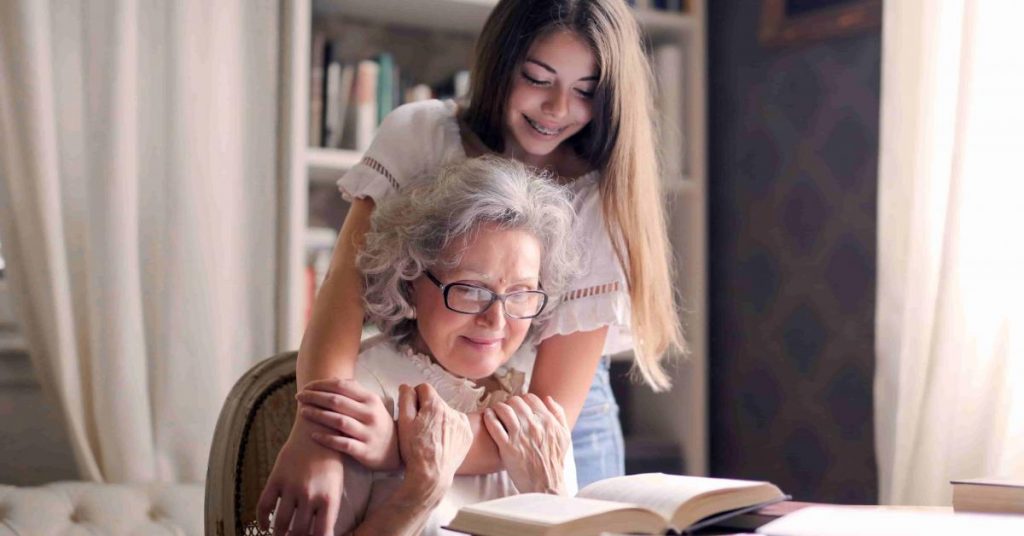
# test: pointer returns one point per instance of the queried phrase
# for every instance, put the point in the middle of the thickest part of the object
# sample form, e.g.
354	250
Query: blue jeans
597	436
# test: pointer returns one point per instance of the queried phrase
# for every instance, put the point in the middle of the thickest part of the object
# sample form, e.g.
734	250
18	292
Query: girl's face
474	345
551	97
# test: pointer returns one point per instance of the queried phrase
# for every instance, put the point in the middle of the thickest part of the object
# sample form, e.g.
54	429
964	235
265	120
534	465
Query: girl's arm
331	343
307	478
564	370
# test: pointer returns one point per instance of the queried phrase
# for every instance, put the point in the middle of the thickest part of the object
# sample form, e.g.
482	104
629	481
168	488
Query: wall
792	203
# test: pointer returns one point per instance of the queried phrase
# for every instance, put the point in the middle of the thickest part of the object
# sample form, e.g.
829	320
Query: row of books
349	99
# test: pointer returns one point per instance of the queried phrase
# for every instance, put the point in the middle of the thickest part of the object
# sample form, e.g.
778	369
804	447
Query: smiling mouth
483	342
544	131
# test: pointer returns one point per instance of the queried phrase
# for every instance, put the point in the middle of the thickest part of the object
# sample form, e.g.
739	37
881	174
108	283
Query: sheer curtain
137	210
949	390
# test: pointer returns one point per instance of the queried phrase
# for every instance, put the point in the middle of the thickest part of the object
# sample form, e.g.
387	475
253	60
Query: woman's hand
365	429
532	438
433	438
307	479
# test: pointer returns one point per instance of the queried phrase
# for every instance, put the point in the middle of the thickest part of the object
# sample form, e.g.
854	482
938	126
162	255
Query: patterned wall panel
792	203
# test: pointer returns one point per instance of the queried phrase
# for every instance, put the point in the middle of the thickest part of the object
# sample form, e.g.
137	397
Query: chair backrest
254	424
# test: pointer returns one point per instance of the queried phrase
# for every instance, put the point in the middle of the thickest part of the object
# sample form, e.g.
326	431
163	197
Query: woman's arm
404	513
433	439
564	370
307	477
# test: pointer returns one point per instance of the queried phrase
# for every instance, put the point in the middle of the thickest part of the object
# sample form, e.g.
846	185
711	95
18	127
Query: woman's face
474	345
551	97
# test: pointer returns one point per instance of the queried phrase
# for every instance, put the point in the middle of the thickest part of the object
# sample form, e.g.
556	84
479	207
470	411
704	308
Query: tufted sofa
83	508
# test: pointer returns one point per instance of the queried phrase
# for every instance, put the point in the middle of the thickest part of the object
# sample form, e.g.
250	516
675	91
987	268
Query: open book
648	503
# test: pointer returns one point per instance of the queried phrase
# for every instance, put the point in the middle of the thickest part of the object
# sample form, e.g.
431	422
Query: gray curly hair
410	232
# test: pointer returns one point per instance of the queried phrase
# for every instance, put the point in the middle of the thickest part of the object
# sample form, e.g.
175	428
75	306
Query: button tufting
76	516
154	514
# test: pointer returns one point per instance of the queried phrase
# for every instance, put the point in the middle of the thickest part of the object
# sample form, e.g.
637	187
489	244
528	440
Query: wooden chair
253	426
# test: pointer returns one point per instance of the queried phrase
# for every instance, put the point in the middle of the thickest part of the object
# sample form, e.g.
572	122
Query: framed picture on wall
794	22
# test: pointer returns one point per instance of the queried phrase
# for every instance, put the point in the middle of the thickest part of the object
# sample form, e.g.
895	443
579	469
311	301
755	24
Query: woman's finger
508	419
535	404
406	404
336	421
337	443
527	418
347	387
426	395
557	410
334	402
495	428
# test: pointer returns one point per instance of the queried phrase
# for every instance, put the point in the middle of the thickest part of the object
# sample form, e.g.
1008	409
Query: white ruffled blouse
417	138
382	368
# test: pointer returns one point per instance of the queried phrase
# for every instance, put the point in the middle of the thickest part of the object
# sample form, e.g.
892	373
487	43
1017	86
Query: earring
411	314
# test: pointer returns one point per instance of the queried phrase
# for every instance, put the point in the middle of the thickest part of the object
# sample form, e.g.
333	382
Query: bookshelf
303	168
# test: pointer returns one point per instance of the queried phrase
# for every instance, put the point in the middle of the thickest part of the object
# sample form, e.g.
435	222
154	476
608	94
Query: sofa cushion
73	508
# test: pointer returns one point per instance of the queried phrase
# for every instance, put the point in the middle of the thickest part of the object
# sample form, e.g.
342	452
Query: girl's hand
359	424
532	438
433	437
307	479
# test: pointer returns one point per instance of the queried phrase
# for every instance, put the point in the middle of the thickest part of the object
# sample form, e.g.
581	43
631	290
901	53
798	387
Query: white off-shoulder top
417	138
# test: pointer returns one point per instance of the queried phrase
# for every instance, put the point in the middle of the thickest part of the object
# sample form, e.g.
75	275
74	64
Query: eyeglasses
472	300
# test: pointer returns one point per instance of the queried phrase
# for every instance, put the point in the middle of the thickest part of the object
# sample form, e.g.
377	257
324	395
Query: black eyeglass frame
445	288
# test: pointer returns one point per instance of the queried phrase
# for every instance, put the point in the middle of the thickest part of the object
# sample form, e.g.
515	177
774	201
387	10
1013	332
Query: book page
543	508
658	491
857	521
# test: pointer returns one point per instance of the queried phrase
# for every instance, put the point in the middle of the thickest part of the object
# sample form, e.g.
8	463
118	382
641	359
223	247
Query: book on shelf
460	81
994	495
316	89
418	92
386	82
364	108
647	503
337	96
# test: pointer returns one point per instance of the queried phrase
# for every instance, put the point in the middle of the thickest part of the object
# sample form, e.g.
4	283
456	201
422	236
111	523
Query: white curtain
137	210
949	390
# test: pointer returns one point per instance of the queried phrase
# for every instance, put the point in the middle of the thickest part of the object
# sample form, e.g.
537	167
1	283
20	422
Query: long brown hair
619	141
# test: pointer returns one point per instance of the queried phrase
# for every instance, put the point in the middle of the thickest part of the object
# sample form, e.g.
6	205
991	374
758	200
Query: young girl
561	85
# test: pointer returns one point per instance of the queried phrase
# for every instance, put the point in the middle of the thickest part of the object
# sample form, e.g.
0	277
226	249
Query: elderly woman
458	272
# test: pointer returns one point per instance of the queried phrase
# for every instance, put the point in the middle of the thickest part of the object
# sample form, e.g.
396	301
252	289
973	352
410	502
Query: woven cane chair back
254	423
